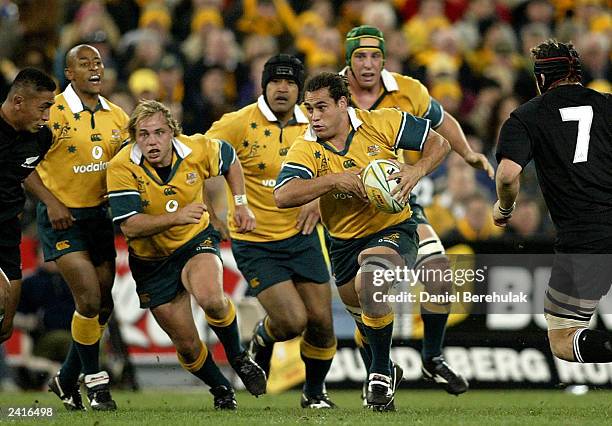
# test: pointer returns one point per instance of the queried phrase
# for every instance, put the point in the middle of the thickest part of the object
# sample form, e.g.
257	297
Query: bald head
74	53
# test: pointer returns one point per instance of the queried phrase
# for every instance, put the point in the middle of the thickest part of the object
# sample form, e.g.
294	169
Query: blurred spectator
594	50
476	225
172	89
382	15
449	206
10	30
144	84
429	19
526	220
124	99
207	104
203	22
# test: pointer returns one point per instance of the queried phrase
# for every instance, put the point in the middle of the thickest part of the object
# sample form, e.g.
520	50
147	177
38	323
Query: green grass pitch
186	408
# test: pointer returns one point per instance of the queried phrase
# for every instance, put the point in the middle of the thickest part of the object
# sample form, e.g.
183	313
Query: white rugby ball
377	187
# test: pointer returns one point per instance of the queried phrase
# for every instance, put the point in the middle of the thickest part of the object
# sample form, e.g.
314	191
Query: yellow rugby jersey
74	169
134	187
374	135
261	145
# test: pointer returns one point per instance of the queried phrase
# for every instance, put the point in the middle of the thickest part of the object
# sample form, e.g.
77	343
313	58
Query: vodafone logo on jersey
90	168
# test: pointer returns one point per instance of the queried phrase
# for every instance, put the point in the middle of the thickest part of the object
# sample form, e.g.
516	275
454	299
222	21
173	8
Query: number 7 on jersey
584	116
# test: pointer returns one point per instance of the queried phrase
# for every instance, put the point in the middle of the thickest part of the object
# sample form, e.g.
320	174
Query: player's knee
187	347
87	306
214	305
433	276
292	325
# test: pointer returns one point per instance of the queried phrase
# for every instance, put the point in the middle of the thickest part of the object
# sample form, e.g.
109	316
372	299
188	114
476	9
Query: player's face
33	109
86	71
281	95
154	138
324	113
366	65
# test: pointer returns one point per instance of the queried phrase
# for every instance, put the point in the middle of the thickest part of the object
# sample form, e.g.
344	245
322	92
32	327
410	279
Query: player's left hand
308	217
244	219
500	219
480	161
409	176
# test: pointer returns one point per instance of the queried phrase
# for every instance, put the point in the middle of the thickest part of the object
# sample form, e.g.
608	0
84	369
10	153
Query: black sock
592	346
434	326
71	368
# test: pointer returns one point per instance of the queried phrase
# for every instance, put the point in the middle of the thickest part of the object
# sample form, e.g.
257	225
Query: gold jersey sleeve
135	188
261	146
412	96
74	169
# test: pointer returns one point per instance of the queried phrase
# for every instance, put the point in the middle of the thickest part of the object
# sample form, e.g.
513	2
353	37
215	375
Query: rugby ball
377	187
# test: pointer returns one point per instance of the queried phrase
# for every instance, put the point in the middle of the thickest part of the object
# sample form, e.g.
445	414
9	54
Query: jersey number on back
584	116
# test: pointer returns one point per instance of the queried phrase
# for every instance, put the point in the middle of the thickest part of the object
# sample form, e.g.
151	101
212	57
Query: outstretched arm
453	132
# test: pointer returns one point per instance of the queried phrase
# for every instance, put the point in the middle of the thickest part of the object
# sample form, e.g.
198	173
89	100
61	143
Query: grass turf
187	407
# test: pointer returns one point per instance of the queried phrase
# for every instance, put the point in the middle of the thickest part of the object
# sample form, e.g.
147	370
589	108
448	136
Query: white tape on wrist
240	200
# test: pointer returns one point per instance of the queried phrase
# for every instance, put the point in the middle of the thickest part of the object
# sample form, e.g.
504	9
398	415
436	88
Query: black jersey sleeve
514	142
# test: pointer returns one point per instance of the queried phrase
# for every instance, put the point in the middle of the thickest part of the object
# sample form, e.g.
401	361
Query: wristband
240	200
508	211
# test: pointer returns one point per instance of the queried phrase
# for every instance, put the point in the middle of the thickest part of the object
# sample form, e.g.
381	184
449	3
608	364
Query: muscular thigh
203	274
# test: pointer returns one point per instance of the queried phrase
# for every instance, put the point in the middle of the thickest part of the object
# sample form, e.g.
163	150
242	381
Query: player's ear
18	100
343	102
68	73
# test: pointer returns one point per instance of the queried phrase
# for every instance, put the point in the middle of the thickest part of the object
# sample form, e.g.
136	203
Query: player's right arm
514	152
59	215
297	184
144	225
127	209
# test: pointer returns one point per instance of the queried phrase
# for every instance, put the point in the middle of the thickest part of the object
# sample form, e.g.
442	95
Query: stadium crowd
204	58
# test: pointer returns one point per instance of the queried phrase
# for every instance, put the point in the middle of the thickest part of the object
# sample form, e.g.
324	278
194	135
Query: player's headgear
283	66
553	62
365	36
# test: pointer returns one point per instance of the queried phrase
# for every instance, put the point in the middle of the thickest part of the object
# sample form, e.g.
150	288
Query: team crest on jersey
141	184
62	245
206	245
64	132
349	163
96	137
373	150
324	168
283	152
169	191
191	178
115	136
254	152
